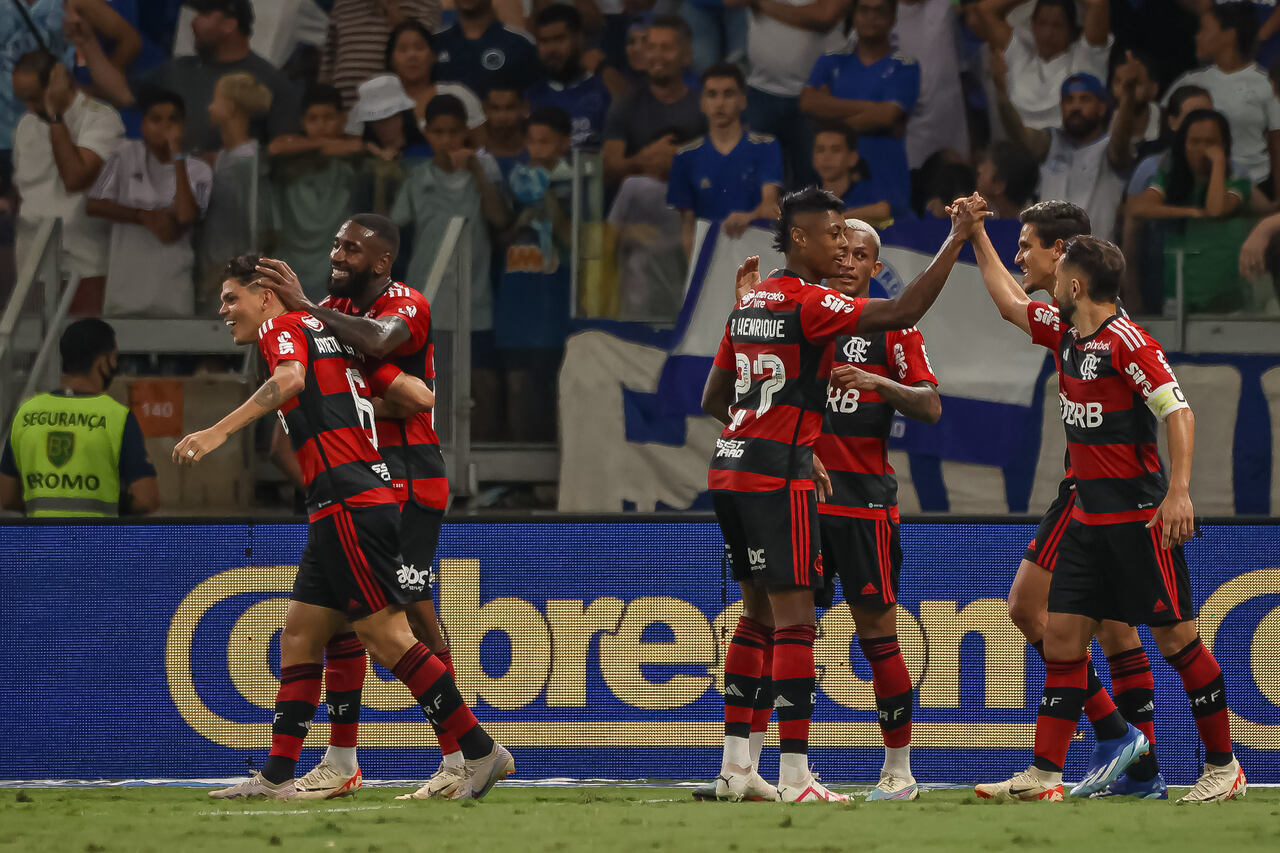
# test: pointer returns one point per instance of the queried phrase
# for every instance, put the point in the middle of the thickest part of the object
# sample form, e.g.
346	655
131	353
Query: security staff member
76	451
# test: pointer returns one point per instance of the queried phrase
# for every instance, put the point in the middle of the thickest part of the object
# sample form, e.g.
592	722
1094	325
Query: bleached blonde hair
244	90
866	228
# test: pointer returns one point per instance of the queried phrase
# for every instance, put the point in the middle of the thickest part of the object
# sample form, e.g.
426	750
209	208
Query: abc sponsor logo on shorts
413	579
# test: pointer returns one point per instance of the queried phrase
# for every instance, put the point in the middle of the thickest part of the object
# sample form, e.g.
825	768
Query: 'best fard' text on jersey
330	421
776	341
854	444
410	445
1113	386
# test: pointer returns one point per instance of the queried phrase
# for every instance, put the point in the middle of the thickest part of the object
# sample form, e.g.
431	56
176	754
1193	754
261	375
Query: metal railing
33	319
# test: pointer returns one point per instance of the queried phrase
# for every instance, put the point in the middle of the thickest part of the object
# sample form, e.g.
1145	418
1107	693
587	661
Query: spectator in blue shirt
841	171
871	89
479	50
566	84
729	174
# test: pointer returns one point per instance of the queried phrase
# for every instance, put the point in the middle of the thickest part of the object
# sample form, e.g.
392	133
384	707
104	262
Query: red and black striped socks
344	670
1135	692
1060	706
296	702
1202	679
793	688
430	683
892	685
742	665
448	746
763	708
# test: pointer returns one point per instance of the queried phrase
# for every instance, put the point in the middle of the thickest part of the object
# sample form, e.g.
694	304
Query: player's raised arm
285	382
1005	292
376	337
905	310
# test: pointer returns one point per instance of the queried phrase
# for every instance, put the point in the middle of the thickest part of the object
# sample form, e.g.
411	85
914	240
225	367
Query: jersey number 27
771	373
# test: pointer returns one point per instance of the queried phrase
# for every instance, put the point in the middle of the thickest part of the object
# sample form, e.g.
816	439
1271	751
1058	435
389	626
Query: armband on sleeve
1166	400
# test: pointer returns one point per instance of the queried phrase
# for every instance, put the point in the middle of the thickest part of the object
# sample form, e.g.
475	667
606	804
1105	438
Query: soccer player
768	387
350	569
390	324
1120	556
1046	227
873	376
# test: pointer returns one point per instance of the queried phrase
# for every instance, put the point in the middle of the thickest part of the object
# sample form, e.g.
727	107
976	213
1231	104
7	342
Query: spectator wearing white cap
383	117
1055	46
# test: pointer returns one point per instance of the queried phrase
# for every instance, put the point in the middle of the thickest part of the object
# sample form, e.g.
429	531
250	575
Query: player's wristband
182	156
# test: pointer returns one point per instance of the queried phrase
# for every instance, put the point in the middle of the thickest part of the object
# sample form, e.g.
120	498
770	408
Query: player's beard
1066	310
354	284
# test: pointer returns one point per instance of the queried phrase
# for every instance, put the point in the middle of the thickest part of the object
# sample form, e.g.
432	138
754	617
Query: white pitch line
331	810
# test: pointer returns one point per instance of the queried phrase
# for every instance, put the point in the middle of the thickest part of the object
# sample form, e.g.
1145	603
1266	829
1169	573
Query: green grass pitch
515	819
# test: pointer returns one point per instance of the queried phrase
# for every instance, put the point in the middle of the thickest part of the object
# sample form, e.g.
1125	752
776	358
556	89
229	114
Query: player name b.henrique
767	328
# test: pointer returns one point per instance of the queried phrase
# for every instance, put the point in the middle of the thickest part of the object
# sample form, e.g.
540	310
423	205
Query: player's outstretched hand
197	446
1176	518
846	377
968	215
748	277
283	281
821	480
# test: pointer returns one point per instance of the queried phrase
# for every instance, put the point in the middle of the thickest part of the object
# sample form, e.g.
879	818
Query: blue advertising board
593	649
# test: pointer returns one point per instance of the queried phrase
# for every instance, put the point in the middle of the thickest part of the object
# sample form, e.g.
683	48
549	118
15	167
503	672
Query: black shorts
771	538
1119	571
351	562
1043	550
865	554
419	536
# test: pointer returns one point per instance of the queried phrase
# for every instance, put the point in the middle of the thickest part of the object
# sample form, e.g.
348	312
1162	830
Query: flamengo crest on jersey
775	342
854	445
410	445
330	421
1111	386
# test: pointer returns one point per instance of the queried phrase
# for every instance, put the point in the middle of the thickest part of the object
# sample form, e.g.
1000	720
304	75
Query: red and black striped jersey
778	341
330	421
1111	387
1066	464
409	445
854	445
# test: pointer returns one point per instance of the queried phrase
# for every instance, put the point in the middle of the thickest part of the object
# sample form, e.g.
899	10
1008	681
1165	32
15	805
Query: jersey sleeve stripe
1132	338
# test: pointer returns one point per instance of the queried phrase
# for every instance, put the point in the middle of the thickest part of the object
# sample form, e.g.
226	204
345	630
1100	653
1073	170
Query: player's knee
1117	637
1174	638
872	622
300	645
1028	617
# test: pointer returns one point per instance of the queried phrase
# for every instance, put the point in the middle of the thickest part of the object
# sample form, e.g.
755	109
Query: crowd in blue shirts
698	110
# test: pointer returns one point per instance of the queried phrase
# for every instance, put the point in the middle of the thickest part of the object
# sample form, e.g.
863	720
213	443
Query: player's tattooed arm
717	394
376	337
920	401
284	383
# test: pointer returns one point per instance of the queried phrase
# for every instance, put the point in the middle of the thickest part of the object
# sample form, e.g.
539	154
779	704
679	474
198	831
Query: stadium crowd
185	133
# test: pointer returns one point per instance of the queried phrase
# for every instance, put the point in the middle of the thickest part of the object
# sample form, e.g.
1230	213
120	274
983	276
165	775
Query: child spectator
531	310
729	174
230	223
455	182
311	190
843	172
1006	177
322	127
383	117
504	136
153	192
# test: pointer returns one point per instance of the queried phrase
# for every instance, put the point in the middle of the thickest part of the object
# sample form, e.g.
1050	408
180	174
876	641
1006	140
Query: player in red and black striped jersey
769	387
350	570
1046	227
873	377
389	324
1121	556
